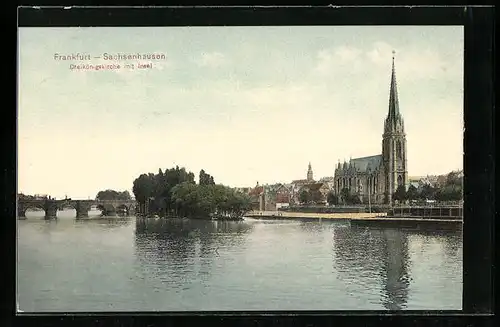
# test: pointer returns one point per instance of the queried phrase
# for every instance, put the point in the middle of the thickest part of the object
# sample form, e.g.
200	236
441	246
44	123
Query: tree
428	192
315	196
304	196
453	179
412	193
354	199
203	201
205	179
332	199
449	193
174	191
400	194
345	195
113	195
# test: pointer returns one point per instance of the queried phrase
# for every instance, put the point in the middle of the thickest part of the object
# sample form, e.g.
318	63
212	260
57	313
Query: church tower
309	173
394	144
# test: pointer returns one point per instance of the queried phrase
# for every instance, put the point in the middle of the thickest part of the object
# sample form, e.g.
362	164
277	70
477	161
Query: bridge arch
22	210
123	209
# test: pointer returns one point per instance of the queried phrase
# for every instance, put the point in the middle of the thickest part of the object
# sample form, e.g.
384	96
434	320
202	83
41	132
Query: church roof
313	186
362	164
257	190
301	181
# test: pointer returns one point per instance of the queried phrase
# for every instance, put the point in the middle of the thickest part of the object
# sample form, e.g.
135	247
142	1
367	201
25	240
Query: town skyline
292	96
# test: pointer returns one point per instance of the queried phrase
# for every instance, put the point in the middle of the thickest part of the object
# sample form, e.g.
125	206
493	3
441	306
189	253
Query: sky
246	104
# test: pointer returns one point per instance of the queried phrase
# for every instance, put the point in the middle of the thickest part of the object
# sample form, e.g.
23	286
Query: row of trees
113	195
310	196
315	197
175	192
452	190
195	201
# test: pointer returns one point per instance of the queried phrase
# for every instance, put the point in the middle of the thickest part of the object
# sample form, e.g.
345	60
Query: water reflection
176	264
395	276
364	255
372	256
179	251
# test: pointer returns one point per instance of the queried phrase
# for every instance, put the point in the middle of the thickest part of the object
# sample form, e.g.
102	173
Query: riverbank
356	217
213	218
305	215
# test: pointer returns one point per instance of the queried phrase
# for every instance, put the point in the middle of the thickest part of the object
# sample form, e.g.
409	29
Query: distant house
283	195
257	197
329	181
322	190
430	180
244	190
414	184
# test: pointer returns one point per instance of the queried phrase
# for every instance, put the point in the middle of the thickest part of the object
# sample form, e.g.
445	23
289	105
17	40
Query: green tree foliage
400	194
201	201
453	189
412	193
427	192
174	192
453	179
345	195
304	197
354	199
315	196
348	198
449	193
113	195
205	179
332	199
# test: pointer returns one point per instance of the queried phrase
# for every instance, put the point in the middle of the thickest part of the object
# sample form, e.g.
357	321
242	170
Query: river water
175	265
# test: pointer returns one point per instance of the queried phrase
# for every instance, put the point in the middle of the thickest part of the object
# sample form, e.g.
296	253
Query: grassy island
174	193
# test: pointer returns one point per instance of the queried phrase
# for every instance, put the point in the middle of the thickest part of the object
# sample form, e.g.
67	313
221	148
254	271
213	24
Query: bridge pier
110	212
50	210
21	212
82	210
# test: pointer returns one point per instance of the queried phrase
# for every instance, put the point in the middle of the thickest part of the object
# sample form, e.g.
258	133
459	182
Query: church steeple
394	143
394	121
393	95
309	172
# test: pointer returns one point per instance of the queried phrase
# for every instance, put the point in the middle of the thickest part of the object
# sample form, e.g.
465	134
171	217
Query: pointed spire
393	95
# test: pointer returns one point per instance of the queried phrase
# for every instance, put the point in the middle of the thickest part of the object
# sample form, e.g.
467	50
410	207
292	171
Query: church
376	178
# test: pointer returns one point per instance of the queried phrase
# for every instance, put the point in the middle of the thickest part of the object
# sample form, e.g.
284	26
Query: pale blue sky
246	104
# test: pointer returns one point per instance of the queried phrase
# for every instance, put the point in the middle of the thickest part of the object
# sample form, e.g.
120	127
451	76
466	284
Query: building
330	181
318	191
324	185
310	173
297	185
283	196
257	197
379	176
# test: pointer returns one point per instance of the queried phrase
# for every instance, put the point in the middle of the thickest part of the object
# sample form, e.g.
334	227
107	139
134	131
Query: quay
308	215
398	216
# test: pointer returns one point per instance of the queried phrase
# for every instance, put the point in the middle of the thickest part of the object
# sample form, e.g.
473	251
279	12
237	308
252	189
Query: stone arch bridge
82	207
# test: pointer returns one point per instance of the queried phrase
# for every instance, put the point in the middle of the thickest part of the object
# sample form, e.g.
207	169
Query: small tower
309	173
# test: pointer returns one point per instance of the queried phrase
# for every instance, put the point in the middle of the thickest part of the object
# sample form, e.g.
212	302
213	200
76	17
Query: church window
399	151
400	180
